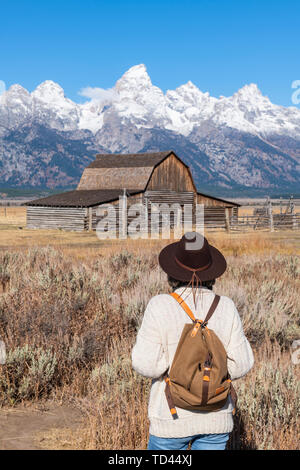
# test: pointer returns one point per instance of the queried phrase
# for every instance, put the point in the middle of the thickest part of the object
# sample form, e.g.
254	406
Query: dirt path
19	427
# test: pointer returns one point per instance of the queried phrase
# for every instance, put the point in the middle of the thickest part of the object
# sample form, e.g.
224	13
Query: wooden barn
160	177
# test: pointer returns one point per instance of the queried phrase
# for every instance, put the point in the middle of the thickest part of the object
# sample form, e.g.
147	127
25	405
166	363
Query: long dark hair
175	283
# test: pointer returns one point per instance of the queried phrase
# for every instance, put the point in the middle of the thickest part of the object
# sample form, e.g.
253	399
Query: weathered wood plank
171	174
60	218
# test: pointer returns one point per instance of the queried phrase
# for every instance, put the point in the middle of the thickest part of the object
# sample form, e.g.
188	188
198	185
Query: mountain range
238	143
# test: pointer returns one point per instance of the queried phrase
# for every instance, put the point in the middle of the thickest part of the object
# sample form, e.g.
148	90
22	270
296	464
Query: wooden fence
264	223
265	219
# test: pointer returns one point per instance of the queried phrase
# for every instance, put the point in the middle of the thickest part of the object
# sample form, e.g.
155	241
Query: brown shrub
70	322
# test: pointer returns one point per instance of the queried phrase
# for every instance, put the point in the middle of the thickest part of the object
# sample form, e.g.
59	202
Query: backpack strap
185	307
211	309
169	397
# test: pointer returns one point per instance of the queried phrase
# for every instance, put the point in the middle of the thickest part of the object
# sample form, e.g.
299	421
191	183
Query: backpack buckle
198	324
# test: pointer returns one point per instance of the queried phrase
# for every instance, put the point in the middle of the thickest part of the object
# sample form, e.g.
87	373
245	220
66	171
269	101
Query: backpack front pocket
198	368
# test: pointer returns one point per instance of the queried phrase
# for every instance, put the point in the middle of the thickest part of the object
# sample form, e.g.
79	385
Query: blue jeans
198	442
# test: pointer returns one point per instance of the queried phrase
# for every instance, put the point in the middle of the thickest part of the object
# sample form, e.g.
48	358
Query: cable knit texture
155	348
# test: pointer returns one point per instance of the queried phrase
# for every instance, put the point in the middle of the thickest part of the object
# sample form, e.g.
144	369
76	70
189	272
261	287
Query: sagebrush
70	324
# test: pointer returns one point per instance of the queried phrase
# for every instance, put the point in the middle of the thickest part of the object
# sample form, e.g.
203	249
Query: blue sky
218	45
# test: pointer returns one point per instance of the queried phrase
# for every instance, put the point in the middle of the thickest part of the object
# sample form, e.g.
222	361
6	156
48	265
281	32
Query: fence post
123	220
270	212
146	221
90	214
227	220
280	203
294	220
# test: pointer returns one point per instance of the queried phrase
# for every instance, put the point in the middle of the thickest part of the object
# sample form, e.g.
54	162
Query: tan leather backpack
198	378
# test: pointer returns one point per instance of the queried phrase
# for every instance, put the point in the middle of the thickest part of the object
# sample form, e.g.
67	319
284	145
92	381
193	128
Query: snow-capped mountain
239	141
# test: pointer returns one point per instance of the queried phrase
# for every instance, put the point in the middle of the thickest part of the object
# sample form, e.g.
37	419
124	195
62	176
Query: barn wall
57	217
169	197
171	174
214	215
97	213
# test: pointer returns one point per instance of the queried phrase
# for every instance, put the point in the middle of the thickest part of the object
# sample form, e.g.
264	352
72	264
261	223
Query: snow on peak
51	105
16	98
191	105
256	110
189	93
135	78
139	100
49	92
17	90
191	87
137	72
250	89
135	100
251	94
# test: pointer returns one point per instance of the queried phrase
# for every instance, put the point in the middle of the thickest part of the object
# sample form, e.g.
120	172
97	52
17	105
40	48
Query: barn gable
173	174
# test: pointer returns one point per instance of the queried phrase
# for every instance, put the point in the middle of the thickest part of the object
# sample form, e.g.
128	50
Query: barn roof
113	171
219	199
129	160
80	198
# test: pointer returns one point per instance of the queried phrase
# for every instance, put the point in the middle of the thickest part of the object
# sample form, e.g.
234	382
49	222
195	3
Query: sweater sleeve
148	354
239	352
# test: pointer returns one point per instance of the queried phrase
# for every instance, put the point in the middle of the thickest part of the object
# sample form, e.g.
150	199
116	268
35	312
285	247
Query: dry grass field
70	307
12	216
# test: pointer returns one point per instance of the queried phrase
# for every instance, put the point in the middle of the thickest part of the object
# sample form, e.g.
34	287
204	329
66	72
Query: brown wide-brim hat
192	254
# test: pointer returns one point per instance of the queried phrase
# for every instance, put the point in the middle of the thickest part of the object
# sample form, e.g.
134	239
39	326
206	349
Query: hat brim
168	263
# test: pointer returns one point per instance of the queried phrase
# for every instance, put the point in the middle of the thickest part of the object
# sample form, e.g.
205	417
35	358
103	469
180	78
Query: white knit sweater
155	347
